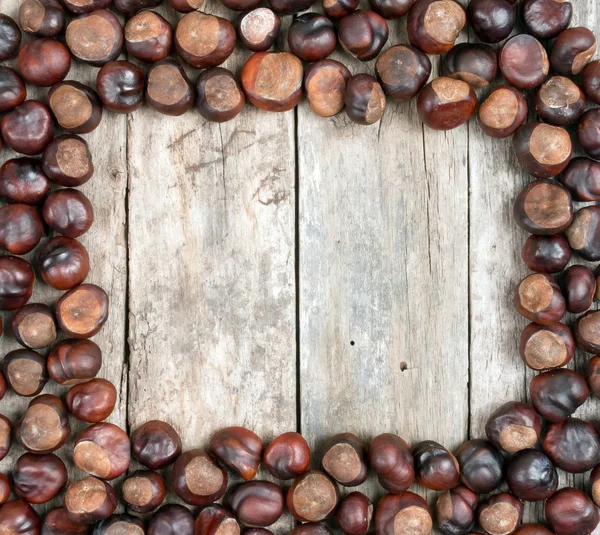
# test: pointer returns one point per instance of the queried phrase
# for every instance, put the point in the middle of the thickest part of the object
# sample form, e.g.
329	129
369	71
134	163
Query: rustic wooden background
289	272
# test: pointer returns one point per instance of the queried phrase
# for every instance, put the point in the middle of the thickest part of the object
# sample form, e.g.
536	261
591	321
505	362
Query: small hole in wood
403	366
351	342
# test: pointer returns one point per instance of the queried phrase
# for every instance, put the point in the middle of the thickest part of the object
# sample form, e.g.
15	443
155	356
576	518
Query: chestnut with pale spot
546	254
56	522
33	326
559	101
531	476
545	19
455	511
185	6
544	207
103	450
198	478
587	331
12	89
257	503
475	64
28	128
392	461
5	436
25	371
336	9
79	7
583	233
572	51
590	81
524	62
571	512
513	427
89	500
363	34
21	228
72	362
16	282
446	103
364	99
573	445
216	520
503	112
557	394
402	71
44	62
76	107
546	347
312	497
405	512
168	88
492	20
18	517
172	519
595	485
345	459
67	161
92	401
592	375
156	444
258	28
543	150
95	37
538	298
143	491
354	514
287	456
148	37
481	465
39	478
219	97
325	85
123	524
42	18
45	426
435	467
500	514
82	311
582	179
434	25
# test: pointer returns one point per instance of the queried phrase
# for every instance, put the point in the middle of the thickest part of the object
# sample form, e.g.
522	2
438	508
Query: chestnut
131	7
503	112
79	7
257	531
272	81
311	37
595	484
588	133
240	5
557	394
143	491
82	311
354	514
93	401
537	298
257	503
23	181
5	436
546	254
39	478
4	488
590	81
68	212
21	228
25	372
579	288
325	85
434	25
42	18
95	37
392	461
120	85
559	101
103	450
572	51
455	511
500	514
592	375
545	19
531	476
475	64
587	331
12	89
10	37
543	206
185	6
571	512
33	326
492	20
446	103
67	161
312	497
156	444
168	89
363	34
543	150
17	516
399	82
513	427
172	519
89	500
148	37
76	107
28	128
239	449
581	177
16	282
57	522
545	347
258	28
215	519
63	263
3	388
391	9
345	459
364	99
123	523
198	478
583	233
481	465
287	456
435	467
72	362
219	96
45	426
204	40
336	9
524	62
404	512
289	7
572	444
311	529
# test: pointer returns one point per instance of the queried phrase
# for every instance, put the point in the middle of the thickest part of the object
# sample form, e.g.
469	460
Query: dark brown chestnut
592	375
581	177
311	529
21	228
63	263
557	394
287	456
391	9
131	7
33	326
572	51
588	133
45	426
168	89
435	467
538	298
79	7
156	444
42	18
475	64
354	514
5	436
455	511
18	517
560	101
272	81
95	37
120	85
492	20
258	28
239	449
44	62
402	70
93	401
23	181
76	107
56	522
288	7
345	459
546	254
587	331
12	89
545	19
89	500
336	9
446	103
595	484
123	523
500	514
543	206
67	161
392	461
240	5
481	465
10	37
363	34
39	478
82	311
584	233
524	62
198	478
325	85
364	99
148	37
214	520
531	476
185	6
513	427
72	362
68	212
16	282
434	25
312	497
28	128
572	444
404	512
103	450
503	112
4	488
579	288
143	491
312	37
543	150
257	503
25	372
172	519
3	388
590	81
219	95
571	512
545	347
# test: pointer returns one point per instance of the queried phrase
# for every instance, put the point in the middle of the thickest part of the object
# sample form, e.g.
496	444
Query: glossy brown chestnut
28	128
10	37
475	64
404	512
45	426
572	51
446	103
76	107
391	9
524	62
44	62
287	456
573	445
584	233
455	511
272	81
16	282
492	20
354	514
513	427
239	449
531	476
325	85
434	25
42	18
581	177
587	331
39	478
23	181
56	522
67	161
571	512
503	112
595	484
258	29
392	461
538	298
3	388
240	5
25	372
95	37
590	81
72	362
364	99
402	70
79	7
5	436
215	519
500	514
345	459
18	517
545	19
198	478
481	465
257	503
592	375
68	212
545	347
63	263
311	529
312	37
4	488
143	491
336	9
288	7
579	288
219	95
82	311
89	500
588	133
120	85
93	401
148	37
168	89
21	228
546	254
185	6
156	444
33	326
131	7
543	206
559	101
435	467
543	150
12	89
123	523
312	497
557	394
103	450
172	519
363	34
